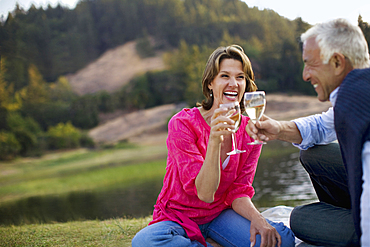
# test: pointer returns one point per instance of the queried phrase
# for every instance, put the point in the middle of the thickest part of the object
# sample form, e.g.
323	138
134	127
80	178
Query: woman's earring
211	93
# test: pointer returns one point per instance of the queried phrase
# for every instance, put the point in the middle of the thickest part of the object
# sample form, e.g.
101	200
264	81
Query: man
334	52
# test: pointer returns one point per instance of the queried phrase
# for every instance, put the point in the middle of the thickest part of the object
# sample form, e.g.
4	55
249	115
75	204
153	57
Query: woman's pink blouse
187	142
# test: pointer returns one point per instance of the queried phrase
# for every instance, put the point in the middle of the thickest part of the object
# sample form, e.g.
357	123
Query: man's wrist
289	132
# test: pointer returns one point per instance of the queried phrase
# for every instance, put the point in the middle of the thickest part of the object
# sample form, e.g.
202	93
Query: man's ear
339	62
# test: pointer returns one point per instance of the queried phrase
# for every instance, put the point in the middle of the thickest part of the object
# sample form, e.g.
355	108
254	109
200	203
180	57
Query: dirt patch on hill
114	69
136	124
284	107
149	127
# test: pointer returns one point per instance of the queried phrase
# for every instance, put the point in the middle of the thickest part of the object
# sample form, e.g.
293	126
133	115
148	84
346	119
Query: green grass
72	171
114	232
111	178
80	170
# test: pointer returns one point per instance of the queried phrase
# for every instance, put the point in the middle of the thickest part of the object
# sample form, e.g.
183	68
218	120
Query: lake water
279	180
282	180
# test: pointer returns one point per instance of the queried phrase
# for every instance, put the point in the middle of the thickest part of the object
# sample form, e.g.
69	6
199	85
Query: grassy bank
115	232
80	170
66	172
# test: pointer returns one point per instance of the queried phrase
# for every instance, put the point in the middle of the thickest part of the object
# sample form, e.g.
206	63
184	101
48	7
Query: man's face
321	76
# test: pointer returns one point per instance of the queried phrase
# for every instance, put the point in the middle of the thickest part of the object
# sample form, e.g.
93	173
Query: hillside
131	125
113	69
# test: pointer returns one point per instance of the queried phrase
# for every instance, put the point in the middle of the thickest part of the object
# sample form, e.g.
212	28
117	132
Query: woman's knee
165	233
287	236
148	235
139	239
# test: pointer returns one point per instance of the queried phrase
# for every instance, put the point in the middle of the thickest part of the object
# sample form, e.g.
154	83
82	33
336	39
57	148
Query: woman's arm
208	179
269	235
209	176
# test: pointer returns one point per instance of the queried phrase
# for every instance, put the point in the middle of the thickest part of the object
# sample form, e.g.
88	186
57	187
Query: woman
206	193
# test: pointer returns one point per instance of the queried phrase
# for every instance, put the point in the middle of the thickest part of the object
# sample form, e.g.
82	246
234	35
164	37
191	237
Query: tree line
38	47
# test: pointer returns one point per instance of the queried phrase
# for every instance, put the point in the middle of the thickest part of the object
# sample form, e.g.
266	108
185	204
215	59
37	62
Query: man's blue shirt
318	128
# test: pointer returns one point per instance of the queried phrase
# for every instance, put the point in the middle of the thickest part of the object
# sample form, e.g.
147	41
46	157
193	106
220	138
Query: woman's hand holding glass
233	112
221	124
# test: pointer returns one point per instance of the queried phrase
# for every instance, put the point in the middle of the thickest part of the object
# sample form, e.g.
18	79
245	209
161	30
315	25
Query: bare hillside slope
144	122
114	69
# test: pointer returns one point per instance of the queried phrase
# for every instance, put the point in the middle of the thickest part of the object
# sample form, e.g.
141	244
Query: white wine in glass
255	103
234	114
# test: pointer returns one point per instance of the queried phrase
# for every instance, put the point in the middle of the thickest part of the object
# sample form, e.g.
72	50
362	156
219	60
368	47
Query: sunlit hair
340	36
213	68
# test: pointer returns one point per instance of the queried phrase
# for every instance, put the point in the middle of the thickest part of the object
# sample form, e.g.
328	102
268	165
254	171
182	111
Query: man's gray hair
340	36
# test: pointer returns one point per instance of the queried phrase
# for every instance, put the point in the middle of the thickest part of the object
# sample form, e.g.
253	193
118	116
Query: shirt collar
333	96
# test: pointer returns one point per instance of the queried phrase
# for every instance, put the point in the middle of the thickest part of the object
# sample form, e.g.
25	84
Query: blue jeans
328	222
229	229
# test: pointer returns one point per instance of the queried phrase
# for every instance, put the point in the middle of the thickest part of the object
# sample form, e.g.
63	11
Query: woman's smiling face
229	84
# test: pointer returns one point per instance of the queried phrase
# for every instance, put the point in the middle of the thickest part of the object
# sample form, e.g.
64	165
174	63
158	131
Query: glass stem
233	139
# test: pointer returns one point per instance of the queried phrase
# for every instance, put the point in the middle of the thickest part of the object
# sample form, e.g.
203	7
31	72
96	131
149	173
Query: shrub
48	114
107	102
26	131
9	146
144	47
63	136
86	141
84	112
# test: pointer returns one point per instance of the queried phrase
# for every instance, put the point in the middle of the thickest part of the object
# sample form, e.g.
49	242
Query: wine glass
234	114
255	103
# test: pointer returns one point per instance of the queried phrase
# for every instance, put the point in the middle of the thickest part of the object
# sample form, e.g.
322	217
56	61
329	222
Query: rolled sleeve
316	129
